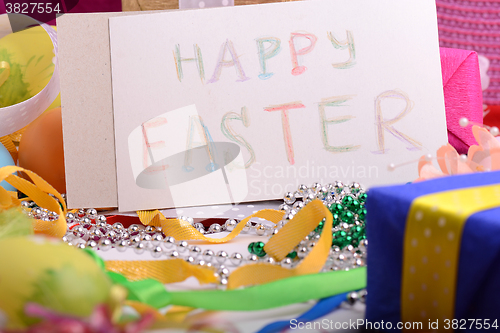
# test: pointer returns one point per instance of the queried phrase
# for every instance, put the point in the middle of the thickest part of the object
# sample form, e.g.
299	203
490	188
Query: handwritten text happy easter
268	48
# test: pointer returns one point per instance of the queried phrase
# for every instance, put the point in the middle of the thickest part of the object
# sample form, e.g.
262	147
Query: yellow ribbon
306	220
165	271
38	191
180	229
432	248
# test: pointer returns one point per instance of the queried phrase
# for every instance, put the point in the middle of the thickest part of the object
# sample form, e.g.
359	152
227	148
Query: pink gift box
462	95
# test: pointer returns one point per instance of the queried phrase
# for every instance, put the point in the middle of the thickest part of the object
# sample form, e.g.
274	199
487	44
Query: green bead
361	213
250	247
292	255
347	200
362	198
336	208
258	249
354	205
320	226
347	216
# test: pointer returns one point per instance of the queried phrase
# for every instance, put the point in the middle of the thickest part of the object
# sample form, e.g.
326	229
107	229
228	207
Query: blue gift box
477	294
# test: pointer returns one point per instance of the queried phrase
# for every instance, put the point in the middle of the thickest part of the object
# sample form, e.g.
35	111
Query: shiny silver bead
286	263
92	213
80	246
214	228
100	224
146	237
362	295
310	245
102	218
274	232
252	258
198	226
362	245
355	188
316	187
70	217
174	254
133	228
86	221
81	213
338	187
91	244
190	260
298	205
79	231
118	226
284	207
236	258
156	239
201	262
260	230
289	198
247	227
195	251
111	234
352	298
66	238
135	240
182	246
105	244
122	245
223	272
124	234
156	251
230	224
223	282
139	248
269	260
208	255
150	229
221	257
25	203
302	252
168	242
302	188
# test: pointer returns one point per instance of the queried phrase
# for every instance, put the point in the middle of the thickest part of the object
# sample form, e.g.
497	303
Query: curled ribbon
277	247
38	191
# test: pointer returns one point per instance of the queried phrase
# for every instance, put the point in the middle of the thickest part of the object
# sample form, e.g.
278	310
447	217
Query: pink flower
484	157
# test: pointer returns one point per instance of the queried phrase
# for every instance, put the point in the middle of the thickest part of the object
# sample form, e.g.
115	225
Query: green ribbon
283	292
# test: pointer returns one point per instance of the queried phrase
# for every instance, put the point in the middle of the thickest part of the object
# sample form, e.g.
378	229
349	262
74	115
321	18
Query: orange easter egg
41	149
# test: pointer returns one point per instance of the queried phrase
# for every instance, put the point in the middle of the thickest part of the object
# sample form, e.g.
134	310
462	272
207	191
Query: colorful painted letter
267	53
386	125
197	58
231	135
348	43
297	70
157	122
228	46
324	122
287	134
196	122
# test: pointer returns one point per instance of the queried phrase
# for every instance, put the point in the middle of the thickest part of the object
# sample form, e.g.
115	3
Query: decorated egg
41	149
53	275
5	160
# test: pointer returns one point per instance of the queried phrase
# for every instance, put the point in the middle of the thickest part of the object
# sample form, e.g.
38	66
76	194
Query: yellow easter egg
50	273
